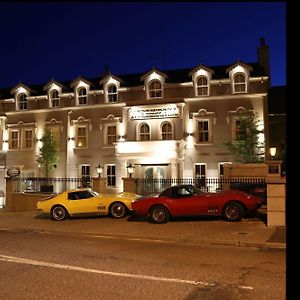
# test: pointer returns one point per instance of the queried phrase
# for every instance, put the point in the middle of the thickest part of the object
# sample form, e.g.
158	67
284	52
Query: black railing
55	185
254	186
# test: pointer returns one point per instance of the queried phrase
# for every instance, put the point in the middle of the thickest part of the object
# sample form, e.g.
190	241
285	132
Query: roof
131	80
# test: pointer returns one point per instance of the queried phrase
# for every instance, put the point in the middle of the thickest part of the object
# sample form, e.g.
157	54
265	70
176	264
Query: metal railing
255	186
52	185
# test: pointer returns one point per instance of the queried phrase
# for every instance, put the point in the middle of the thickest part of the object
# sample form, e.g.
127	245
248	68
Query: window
55	130
111	175
14	139
144	132
155	89
240	132
111	134
166	131
28	139
202	131
54	98
82	96
200	175
85	175
112	94
81	140
22	102
202	86
239	82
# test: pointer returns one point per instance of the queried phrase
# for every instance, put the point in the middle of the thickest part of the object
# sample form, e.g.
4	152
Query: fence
55	185
255	186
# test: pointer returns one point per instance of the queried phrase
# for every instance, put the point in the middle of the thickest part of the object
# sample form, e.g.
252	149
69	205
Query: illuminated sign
153	113
13	172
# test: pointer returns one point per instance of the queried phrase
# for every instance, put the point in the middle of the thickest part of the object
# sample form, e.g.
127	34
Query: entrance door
155	176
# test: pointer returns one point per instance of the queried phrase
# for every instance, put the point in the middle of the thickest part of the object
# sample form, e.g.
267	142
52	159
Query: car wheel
159	214
233	212
118	210
59	213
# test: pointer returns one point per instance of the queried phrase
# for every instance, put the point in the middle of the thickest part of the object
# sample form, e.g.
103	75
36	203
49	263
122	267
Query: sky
62	40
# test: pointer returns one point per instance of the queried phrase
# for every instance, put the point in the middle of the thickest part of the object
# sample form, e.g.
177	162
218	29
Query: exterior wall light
130	169
99	170
273	152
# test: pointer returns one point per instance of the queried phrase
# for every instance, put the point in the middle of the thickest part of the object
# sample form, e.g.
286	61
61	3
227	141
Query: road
51	265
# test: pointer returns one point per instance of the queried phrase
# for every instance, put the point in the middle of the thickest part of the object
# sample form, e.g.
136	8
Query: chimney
263	56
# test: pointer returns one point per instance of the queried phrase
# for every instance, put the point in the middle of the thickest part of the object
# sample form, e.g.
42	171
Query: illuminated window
81	139
155	89
203	131
166	131
240	129
28	139
54	98
85	175
112	94
111	175
202	86
22	102
82	96
111	134
14	139
239	83
144	132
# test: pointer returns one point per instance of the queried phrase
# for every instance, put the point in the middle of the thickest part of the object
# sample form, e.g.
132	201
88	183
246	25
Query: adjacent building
165	123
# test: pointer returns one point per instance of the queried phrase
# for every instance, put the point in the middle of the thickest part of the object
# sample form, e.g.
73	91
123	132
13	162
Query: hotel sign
140	113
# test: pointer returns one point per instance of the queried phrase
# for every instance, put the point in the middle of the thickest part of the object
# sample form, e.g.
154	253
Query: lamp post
130	169
272	152
99	170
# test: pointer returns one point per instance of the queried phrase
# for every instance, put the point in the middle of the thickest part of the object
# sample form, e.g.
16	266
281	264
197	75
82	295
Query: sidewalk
250	232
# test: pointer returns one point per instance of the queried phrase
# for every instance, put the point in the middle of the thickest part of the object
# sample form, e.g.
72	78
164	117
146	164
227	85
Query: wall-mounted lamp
130	169
99	170
5	141
70	139
273	152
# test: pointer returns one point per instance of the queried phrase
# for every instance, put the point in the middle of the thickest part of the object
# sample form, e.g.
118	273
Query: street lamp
130	170
273	152
99	170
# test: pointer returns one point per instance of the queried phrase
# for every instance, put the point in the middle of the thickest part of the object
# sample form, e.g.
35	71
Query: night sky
41	41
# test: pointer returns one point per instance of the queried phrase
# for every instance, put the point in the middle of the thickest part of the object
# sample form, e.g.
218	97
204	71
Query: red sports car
188	200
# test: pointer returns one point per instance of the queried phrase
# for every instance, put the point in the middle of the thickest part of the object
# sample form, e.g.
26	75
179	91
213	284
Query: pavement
250	232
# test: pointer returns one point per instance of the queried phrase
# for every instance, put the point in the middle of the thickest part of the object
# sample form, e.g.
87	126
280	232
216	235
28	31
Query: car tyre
159	214
233	212
59	213
118	210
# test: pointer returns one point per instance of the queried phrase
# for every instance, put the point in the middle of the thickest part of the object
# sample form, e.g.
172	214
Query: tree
48	156
246	146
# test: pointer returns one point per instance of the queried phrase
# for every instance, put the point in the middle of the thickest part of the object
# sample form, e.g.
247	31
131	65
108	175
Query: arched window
202	86
155	89
82	97
112	93
166	131
22	102
239	83
54	98
144	132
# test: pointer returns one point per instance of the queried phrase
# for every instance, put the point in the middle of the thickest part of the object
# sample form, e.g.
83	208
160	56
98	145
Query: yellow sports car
85	201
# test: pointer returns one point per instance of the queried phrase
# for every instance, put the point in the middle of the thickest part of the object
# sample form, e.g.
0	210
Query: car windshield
181	191
82	195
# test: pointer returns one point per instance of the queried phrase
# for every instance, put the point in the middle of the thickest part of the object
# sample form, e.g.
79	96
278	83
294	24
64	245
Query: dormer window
202	86
112	94
82	96
22	102
239	84
54	98
155	89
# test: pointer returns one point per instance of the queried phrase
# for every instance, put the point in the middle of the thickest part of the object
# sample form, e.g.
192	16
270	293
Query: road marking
21	260
39	263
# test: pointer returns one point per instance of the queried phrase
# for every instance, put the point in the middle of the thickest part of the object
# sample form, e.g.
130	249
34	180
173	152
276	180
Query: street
41	264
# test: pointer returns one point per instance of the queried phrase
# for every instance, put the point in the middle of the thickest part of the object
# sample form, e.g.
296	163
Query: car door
186	202
82	202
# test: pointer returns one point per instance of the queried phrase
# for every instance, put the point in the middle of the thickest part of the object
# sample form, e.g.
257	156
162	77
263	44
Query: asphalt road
52	265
